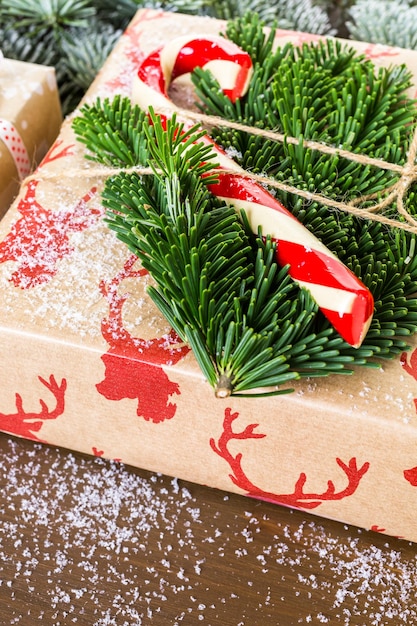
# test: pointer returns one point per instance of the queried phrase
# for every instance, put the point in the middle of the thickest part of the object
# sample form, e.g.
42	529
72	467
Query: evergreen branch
303	15
252	330
28	44
393	22
48	14
113	132
84	52
119	14
217	285
327	92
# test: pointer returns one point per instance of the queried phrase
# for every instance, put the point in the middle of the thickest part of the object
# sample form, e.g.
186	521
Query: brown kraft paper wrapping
89	364
30	119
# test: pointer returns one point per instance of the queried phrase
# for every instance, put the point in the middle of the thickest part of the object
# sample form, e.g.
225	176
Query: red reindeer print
40	238
378	51
298	498
133	53
134	34
298	38
410	367
410	476
377	529
100	453
133	366
26	424
56	152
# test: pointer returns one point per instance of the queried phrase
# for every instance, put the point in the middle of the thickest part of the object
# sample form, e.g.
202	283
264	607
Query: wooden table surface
94	543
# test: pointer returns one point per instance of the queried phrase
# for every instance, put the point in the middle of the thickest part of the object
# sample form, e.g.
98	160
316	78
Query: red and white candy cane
340	295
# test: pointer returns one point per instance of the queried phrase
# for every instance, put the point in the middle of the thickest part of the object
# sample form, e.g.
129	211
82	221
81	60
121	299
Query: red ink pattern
40	238
133	34
99	453
133	54
410	367
298	38
26	424
377	529
375	51
133	365
411	476
298	498
54	153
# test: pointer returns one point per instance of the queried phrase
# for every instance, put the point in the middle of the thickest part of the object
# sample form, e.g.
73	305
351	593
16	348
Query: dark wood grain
90	542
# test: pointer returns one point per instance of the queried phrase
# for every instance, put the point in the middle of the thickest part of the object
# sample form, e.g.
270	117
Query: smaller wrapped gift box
88	363
30	119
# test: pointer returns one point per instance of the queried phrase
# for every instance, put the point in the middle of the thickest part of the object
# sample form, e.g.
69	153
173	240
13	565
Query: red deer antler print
24	423
378	51
410	368
54	154
298	498
133	366
122	81
40	238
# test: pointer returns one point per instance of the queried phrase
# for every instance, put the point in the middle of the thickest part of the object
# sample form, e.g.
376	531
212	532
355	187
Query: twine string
395	192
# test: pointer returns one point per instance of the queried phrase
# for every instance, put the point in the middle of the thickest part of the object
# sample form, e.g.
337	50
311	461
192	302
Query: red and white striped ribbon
14	143
341	296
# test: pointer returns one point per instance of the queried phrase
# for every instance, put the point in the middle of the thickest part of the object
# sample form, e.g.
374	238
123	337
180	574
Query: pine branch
394	22
217	285
221	291
337	12
251	328
324	92
84	51
303	15
60	33
114	132
328	93
119	14
48	14
28	44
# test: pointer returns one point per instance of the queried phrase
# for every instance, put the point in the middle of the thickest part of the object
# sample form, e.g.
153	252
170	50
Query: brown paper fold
29	100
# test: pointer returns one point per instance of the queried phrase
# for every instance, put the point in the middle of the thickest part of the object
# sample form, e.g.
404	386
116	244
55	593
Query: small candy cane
340	295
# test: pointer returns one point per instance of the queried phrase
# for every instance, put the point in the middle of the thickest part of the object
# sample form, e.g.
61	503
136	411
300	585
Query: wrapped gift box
89	364
30	119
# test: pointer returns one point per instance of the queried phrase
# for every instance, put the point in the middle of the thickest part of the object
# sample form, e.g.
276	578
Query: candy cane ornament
340	295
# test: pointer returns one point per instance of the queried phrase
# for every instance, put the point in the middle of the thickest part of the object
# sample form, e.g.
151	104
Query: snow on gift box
30	119
90	364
